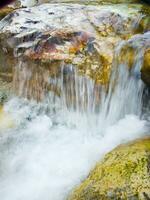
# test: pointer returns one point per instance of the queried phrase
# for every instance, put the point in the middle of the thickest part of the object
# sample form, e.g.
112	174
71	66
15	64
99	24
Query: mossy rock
5	11
3	97
124	174
5	91
146	68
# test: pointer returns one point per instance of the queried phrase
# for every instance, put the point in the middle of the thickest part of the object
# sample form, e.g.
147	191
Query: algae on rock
123	174
5	91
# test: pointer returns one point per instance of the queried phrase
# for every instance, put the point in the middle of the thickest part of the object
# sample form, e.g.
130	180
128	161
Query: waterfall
99	105
54	143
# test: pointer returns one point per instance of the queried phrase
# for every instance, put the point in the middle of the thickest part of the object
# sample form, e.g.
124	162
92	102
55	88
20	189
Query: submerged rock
5	91
6	120
124	173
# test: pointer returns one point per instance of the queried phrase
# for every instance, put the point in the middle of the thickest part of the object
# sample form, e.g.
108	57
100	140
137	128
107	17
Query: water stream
55	143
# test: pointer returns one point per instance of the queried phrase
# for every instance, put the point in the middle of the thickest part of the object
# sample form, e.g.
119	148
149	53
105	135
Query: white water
28	3
52	147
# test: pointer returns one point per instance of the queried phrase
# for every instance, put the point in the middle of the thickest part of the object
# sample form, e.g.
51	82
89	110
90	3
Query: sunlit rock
5	11
67	34
122	174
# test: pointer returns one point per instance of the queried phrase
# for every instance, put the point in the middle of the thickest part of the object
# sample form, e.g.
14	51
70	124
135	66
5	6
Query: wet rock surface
137	49
5	91
80	35
5	11
37	2
122	174
146	67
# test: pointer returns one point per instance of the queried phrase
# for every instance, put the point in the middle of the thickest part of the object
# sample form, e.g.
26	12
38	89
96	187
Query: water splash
28	3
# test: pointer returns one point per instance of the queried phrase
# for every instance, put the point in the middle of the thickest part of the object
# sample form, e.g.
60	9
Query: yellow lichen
122	174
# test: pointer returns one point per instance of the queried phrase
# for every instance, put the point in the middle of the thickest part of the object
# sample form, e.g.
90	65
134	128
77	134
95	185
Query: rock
146	67
124	173
91	1
6	121
80	35
5	91
5	11
38	2
29	3
146	1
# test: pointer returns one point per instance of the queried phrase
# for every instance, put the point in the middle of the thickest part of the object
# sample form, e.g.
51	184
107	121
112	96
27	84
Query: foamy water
44	157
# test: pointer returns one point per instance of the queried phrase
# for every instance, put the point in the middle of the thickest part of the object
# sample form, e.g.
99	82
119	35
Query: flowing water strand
124	95
125	89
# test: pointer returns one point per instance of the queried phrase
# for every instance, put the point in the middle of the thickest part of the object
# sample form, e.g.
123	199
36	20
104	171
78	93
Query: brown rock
83	36
146	67
5	11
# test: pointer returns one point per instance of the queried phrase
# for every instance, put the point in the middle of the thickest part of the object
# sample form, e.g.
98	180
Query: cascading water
54	144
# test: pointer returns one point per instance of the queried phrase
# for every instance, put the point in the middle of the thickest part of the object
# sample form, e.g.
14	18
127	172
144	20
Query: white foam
43	160
28	3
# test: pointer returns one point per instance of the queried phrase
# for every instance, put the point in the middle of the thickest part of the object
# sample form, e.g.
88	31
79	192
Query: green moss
5	91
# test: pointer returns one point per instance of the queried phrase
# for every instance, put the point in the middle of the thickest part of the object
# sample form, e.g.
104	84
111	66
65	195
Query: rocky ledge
51	35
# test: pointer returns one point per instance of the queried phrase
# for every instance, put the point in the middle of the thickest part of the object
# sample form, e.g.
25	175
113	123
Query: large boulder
124	173
67	34
37	2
